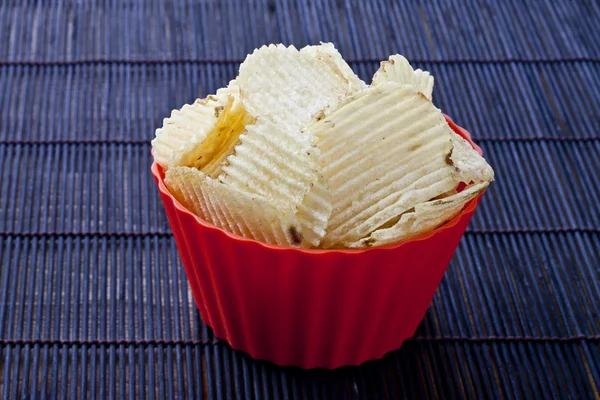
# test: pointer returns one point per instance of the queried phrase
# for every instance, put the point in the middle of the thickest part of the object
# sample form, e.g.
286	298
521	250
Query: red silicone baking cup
311	308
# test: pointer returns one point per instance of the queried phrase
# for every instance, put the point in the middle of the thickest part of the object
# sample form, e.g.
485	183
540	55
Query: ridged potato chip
208	153
272	161
314	212
236	211
292	87
192	120
424	82
232	89
471	166
398	69
326	52
279	163
423	218
385	150
191	123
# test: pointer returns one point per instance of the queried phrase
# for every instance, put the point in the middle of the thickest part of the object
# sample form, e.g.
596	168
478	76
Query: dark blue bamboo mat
93	298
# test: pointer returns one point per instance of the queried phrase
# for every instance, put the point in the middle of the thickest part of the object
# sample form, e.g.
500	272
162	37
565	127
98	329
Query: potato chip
191	123
423	218
398	69
272	161
313	214
279	163
292	87
424	82
184	124
326	52
236	211
232	89
208	153
470	164
383	151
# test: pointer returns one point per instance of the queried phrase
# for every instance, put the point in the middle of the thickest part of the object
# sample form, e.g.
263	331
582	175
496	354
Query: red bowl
311	308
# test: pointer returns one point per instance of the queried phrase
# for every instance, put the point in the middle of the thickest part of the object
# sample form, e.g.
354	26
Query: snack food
398	69
298	151
384	151
190	125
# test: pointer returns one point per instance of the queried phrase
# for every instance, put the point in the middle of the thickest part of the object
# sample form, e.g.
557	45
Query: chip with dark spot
369	242
295	235
319	115
449	160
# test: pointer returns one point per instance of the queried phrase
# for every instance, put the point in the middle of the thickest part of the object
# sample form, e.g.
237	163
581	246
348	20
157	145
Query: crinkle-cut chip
395	69
424	83
313	214
191	123
288	86
384	150
279	163
329	54
470	164
210	153
274	161
398	69
233	210
232	89
423	218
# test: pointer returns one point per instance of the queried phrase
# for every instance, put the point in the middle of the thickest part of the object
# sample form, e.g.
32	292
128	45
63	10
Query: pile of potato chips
298	151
